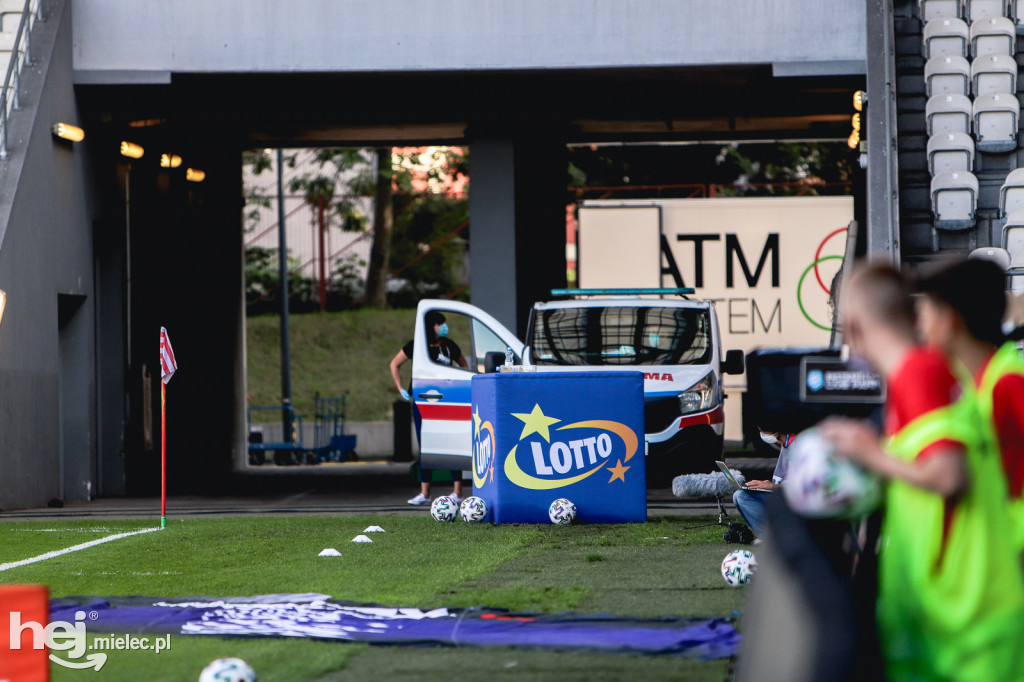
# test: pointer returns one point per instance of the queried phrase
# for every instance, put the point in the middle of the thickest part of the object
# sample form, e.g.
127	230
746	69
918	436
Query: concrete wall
128	40
48	387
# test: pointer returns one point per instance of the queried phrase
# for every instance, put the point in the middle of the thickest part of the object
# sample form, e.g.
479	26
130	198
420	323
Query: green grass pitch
666	567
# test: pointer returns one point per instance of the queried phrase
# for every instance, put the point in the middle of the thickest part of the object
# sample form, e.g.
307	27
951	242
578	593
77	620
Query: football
228	670
738	567
473	509
562	512
444	509
821	484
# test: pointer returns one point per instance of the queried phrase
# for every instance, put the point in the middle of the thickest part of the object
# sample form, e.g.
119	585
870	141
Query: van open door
441	385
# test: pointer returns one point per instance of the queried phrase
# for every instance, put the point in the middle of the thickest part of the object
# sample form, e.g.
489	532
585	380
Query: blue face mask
442	331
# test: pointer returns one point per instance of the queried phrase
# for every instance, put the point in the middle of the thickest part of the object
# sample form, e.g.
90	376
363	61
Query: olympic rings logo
815	266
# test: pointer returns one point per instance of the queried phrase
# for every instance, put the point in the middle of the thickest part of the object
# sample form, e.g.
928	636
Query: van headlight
700	397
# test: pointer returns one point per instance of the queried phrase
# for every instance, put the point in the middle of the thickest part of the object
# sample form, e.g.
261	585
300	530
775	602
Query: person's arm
396	362
941	472
460	360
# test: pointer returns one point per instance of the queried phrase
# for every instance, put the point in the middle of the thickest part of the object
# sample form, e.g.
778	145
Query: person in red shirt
950	588
879	321
961	314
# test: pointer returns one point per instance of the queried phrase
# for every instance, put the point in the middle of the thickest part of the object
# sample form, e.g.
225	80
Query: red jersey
923	382
1008	418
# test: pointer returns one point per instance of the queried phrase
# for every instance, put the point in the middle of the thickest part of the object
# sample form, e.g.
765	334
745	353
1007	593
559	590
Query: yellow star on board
618	471
536	422
476	422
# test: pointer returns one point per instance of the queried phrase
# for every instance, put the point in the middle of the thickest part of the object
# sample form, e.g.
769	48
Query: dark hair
889	293
975	289
431	320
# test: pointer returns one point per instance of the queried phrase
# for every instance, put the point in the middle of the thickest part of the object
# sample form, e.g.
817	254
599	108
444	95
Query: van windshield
616	335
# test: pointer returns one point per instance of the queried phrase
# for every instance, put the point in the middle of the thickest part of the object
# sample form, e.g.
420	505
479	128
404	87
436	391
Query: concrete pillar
517	224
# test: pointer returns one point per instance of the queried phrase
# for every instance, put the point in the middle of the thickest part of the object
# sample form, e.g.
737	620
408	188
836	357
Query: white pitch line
74	548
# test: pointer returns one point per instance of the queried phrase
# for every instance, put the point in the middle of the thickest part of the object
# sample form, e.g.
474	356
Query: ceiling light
195	175
170	160
132	150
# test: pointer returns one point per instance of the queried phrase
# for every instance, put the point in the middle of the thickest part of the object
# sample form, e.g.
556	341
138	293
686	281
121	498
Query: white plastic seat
995	254
949	114
1017	14
985	9
996	118
954	200
1017	266
993	73
946	38
1013	232
947	76
940	9
995	35
950	152
1011	194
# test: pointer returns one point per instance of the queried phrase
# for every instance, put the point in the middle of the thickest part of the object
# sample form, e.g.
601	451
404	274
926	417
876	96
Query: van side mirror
493	360
733	362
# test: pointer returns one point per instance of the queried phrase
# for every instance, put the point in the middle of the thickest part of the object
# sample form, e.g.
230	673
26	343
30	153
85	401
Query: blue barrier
545	435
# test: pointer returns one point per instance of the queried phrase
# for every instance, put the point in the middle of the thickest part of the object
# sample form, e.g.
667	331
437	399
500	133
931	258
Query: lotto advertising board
538	437
767	263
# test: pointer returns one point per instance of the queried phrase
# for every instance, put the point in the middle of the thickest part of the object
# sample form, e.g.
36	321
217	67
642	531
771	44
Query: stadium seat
940	9
1017	14
1017	273
993	73
996	35
949	114
947	76
995	254
985	9
1013	232
950	152
1011	194
946	38
954	200
995	122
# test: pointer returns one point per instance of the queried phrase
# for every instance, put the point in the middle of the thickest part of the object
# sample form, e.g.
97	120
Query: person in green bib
965	323
950	588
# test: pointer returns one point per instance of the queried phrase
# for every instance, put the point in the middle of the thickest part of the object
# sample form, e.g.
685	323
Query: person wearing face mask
751	504
443	351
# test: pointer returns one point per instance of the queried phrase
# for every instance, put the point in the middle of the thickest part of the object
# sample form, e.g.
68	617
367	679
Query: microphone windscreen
705	485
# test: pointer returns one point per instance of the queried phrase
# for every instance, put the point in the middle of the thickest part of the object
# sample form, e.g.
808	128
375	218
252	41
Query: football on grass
473	509
228	670
738	567
444	508
562	512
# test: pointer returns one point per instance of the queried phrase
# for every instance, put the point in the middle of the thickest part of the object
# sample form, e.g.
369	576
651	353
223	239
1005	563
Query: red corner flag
167	363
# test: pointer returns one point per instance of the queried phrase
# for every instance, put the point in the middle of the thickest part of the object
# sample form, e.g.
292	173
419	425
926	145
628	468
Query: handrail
13	103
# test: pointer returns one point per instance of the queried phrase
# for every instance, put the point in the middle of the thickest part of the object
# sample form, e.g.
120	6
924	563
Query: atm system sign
767	263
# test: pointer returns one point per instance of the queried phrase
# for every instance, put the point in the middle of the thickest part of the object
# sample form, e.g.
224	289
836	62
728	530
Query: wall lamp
195	175
66	131
170	160
132	150
3	304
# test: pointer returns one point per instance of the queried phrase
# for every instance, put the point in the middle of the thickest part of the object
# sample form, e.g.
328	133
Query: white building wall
126	40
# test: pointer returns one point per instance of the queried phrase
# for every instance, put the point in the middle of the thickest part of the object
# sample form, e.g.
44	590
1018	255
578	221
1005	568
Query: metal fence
19	55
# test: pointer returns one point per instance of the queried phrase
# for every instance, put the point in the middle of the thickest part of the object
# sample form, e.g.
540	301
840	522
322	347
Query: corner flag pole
167	369
163	455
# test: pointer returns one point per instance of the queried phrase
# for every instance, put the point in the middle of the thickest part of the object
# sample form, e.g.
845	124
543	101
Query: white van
676	343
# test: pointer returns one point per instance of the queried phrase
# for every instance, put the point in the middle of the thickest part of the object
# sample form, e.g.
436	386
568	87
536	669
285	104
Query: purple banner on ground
318	617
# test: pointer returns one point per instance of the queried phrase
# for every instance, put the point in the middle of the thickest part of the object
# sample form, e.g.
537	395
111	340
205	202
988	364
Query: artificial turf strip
668	566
